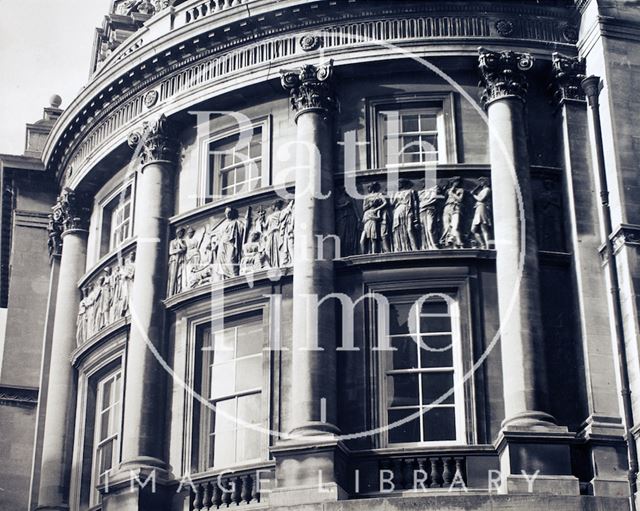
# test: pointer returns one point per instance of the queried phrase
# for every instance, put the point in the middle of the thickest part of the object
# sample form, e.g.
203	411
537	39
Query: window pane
410	123
407	432
248	444
248	373
250	409
439	424
429	143
435	307
106	394
406	354
104	425
250	339
398	318
433	324
403	390
436	385
224	446
224	345
106	456
439	352
411	144
428	122
222	379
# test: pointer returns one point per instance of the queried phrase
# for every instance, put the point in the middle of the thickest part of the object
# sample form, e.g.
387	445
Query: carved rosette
68	214
503	74
310	88
155	142
568	73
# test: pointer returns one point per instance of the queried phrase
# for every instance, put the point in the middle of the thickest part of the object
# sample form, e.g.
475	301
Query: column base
314	429
140	484
606	448
535	457
52	508
309	470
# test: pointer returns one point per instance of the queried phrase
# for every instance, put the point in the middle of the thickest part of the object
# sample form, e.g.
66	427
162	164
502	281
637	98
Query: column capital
503	75
155	142
69	213
310	88
567	75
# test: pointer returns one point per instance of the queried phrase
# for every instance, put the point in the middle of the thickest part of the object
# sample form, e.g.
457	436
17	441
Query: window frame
206	155
442	102
409	290
94	495
104	205
387	371
93	367
194	320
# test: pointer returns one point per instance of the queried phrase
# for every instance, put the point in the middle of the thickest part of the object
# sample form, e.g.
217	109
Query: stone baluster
68	228
142	444
504	87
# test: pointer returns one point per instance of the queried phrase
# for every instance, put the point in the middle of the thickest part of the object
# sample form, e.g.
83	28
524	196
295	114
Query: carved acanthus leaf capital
568	73
68	213
503	74
155	142
310	88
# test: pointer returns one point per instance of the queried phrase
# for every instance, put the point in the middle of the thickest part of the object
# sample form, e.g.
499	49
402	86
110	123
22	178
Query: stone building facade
329	254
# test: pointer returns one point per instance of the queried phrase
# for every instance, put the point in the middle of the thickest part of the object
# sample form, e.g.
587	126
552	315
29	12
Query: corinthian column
142	434
310	458
67	226
313	372
504	91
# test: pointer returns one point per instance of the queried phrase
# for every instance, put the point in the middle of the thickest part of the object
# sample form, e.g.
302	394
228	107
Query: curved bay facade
341	254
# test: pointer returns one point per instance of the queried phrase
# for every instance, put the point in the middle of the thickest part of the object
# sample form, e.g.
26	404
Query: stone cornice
120	83
625	235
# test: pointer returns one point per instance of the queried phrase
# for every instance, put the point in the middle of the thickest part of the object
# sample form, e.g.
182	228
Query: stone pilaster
313	373
67	225
526	425
603	428
156	147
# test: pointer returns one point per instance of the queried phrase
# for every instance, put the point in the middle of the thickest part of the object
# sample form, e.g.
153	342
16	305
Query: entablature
178	66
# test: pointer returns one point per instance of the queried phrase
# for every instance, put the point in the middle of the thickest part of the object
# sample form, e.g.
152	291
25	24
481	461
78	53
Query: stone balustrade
409	473
229	489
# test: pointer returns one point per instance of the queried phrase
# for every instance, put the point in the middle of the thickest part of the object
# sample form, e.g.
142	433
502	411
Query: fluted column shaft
517	252
313	365
142	435
57	447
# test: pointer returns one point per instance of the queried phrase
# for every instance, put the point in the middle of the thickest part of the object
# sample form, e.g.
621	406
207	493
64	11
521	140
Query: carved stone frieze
505	27
147	7
503	74
236	244
311	88
310	42
568	73
447	214
105	299
155	142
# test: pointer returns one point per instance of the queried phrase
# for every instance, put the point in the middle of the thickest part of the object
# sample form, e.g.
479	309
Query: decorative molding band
34	219
23	397
170	76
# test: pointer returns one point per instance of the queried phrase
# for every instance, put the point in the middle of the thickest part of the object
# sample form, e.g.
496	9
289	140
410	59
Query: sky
45	49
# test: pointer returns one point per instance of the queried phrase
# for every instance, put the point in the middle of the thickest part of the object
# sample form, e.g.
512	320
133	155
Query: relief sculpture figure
286	235
451	216
347	222
375	222
82	321
404	204
177	253
428	200
230	239
252	254
481	223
